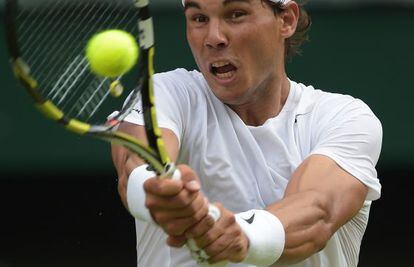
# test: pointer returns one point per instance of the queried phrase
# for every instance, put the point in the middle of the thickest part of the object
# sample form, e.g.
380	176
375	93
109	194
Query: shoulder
180	77
181	83
328	106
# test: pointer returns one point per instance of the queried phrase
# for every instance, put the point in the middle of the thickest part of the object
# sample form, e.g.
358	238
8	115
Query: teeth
220	64
225	75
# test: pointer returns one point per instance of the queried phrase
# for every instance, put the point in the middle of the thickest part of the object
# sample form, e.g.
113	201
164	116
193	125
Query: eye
237	14
199	18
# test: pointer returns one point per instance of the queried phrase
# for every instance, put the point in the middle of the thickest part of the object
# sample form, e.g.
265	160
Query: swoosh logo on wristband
250	220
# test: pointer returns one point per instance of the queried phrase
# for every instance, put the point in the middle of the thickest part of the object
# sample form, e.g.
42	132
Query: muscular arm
319	199
125	161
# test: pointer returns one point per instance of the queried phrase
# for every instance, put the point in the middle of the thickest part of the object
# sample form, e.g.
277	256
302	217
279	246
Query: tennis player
290	167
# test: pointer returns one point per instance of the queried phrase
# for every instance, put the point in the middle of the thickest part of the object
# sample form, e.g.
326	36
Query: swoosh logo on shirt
250	220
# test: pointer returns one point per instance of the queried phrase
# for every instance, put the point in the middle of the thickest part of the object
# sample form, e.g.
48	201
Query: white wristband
136	194
266	236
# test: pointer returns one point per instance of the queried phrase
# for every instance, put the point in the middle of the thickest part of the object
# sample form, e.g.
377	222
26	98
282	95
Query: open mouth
223	69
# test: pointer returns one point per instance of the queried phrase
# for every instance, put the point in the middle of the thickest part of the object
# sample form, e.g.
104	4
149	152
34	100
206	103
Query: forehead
201	3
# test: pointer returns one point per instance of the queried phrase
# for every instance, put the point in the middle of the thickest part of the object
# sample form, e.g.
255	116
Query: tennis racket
47	40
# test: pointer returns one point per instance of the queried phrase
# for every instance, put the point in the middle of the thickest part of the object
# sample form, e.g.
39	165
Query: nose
216	37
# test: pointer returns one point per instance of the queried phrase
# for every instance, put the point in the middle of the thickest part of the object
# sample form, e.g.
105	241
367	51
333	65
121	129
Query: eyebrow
227	2
191	4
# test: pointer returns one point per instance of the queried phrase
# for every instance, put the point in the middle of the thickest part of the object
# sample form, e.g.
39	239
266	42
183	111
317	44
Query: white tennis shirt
247	167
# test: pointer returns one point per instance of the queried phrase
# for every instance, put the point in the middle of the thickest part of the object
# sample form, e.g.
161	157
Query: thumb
189	178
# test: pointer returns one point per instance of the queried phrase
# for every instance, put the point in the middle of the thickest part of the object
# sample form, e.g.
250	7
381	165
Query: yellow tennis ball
112	53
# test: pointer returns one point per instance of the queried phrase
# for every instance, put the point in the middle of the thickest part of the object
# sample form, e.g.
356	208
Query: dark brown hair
294	43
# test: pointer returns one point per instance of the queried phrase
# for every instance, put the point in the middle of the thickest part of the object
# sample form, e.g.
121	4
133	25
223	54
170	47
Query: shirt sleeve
349	133
169	105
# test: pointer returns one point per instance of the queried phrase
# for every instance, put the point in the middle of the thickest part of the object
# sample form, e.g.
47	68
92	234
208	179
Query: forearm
307	223
125	161
319	199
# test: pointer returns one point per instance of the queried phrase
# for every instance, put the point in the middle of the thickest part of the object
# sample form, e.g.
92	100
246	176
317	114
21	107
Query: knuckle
181	200
209	237
231	219
197	217
199	214
199	229
238	247
209	222
237	231
149	203
220	246
170	229
187	222
153	188
158	218
192	210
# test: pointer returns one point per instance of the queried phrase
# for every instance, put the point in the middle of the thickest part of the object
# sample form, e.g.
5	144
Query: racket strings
58	47
58	44
52	40
95	95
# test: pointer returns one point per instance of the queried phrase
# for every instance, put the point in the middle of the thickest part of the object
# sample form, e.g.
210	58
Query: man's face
237	46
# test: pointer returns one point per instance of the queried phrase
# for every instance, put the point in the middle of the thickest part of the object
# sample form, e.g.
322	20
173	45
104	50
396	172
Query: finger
196	210
189	178
180	200
221	226
178	226
176	241
209	237
218	247
164	187
232	246
234	252
201	227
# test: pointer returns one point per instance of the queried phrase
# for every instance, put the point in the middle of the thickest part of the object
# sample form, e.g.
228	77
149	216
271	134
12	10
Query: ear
289	17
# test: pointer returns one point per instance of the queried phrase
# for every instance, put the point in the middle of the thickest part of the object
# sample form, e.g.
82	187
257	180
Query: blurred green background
363	52
58	199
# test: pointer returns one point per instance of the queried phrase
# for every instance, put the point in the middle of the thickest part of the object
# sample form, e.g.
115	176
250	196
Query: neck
266	104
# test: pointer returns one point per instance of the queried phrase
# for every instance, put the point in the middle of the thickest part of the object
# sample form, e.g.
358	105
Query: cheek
196	44
258	57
